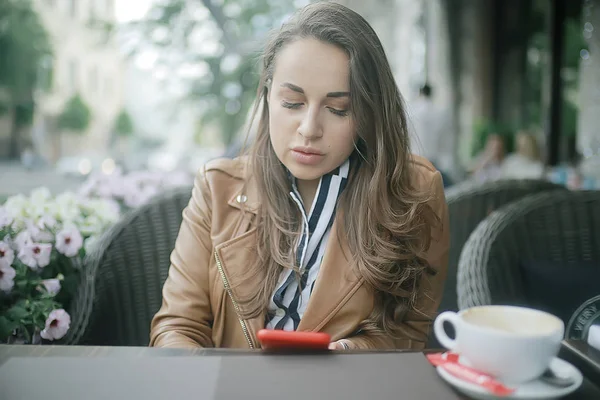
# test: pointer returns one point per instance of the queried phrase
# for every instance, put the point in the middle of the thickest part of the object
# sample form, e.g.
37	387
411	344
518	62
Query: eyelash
294	106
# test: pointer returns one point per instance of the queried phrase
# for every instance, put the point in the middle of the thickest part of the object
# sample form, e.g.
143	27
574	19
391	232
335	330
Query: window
73	76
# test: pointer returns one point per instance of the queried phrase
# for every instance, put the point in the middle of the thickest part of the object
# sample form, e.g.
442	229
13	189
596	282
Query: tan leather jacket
216	243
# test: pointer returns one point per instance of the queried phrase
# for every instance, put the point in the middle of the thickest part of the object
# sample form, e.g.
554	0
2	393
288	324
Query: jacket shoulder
235	168
422	164
423	173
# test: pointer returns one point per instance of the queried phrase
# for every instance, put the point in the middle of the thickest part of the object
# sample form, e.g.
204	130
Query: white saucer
533	390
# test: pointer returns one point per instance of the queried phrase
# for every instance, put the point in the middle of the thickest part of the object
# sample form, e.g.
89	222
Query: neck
307	190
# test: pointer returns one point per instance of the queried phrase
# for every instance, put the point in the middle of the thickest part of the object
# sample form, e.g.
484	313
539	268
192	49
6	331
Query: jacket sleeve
184	319
417	323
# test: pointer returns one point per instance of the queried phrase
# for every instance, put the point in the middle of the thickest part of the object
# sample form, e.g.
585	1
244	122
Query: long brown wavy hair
394	225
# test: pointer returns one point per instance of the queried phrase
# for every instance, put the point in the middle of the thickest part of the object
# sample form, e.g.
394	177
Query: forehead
313	65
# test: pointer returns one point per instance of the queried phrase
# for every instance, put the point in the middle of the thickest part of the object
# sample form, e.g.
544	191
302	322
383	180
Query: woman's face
310	123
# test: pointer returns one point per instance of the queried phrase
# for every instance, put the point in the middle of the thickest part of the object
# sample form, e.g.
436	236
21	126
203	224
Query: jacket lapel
335	284
235	256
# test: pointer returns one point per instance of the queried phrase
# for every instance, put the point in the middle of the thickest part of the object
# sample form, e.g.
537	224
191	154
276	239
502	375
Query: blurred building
86	61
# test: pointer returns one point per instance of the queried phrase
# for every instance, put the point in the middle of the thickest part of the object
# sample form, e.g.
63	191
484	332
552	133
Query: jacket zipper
235	304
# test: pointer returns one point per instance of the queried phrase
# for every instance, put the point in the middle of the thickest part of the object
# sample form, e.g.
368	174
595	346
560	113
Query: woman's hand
341	344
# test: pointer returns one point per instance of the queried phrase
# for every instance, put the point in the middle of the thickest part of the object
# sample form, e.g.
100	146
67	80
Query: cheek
279	130
343	138
280	122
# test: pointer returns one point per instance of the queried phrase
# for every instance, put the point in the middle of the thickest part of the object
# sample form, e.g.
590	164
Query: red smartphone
272	339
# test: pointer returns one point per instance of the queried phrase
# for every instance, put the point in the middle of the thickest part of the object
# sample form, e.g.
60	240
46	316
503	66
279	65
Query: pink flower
52	286
69	241
35	255
7	255
57	325
7	278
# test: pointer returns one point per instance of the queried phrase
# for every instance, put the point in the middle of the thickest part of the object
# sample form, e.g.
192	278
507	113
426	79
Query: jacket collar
245	196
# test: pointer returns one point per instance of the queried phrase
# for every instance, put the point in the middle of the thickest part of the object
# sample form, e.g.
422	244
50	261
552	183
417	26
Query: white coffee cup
513	344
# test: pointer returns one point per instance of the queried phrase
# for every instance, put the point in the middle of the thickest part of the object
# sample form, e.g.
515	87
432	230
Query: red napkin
449	361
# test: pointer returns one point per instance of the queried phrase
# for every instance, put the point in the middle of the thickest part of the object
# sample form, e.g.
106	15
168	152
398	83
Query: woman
329	224
525	162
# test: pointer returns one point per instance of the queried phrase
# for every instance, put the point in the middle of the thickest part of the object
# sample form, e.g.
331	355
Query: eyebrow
298	89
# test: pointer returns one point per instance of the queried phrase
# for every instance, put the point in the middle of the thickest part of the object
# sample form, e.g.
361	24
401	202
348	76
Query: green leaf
6	328
17	313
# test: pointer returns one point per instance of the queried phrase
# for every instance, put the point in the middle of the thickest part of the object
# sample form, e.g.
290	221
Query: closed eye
340	113
291	106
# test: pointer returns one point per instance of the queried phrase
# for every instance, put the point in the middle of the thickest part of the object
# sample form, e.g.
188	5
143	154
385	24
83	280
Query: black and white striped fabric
290	299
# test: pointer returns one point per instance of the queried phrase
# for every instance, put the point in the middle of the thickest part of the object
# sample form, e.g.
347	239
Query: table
94	373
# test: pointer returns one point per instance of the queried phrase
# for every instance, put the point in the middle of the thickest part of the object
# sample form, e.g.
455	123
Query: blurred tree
24	46
75	117
208	50
123	125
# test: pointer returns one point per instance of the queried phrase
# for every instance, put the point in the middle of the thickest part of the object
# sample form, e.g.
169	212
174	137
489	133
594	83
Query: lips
307	151
307	155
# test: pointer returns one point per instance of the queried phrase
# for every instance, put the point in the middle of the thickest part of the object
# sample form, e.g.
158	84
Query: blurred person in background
488	163
525	162
329	223
432	138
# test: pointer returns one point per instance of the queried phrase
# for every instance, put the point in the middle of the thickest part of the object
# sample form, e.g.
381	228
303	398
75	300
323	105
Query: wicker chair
542	251
469	204
122	287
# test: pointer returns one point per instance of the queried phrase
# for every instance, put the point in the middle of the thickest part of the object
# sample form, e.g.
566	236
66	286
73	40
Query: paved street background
15	179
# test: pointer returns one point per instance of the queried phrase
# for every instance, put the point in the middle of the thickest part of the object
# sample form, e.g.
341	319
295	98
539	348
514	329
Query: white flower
108	210
5	218
69	241
35	255
46	221
91	225
7	276
39	202
67	207
7	255
57	325
15	205
37	234
52	285
40	195
90	244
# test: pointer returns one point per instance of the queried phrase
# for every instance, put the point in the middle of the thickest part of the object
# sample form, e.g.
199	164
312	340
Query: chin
306	173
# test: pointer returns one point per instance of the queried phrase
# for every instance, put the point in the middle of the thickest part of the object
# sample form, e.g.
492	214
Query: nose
310	126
